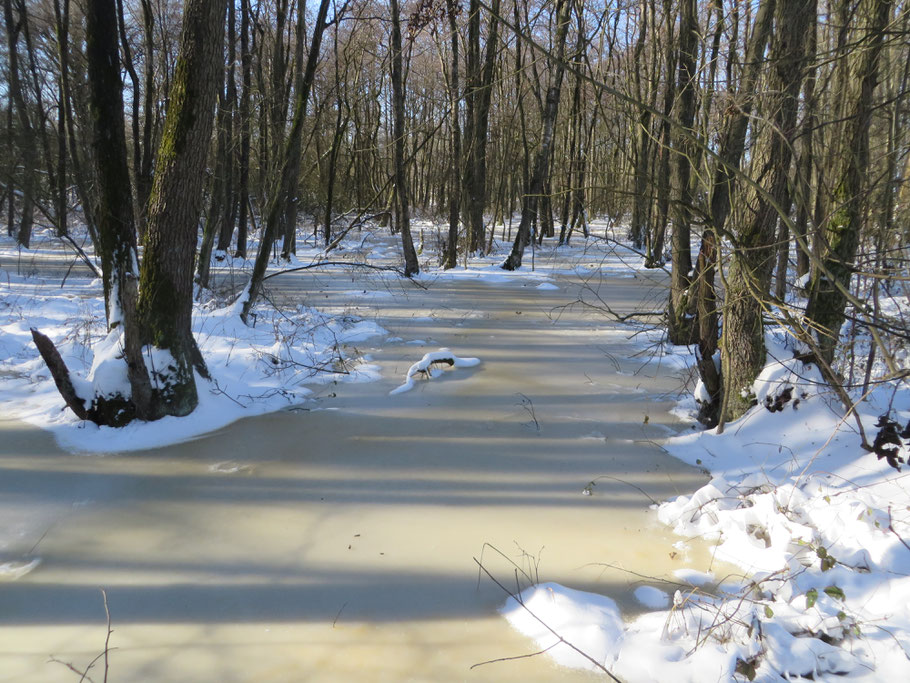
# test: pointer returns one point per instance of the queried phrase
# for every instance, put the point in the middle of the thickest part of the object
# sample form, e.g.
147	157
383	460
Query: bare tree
540	172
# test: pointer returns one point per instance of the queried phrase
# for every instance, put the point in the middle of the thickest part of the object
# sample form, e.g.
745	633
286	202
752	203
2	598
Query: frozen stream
336	542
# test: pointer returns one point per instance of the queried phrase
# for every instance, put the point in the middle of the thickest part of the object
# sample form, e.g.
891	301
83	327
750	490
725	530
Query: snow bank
254	370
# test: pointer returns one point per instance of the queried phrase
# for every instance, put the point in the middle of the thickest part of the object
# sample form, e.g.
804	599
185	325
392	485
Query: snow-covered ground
255	369
820	528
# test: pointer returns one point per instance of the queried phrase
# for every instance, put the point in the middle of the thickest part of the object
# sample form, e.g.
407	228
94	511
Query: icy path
335	542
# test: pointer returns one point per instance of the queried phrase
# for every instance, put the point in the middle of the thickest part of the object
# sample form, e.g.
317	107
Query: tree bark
542	158
680	319
26	133
243	190
743	352
858	78
166	296
411	266
641	140
116	242
656	236
455	190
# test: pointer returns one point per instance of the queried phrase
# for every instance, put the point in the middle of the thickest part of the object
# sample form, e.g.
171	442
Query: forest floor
805	572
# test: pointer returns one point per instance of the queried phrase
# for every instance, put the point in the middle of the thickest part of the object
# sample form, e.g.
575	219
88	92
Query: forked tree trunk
159	348
752	263
849	162
730	153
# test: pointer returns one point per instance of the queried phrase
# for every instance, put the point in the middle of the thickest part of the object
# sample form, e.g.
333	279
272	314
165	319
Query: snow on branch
428	365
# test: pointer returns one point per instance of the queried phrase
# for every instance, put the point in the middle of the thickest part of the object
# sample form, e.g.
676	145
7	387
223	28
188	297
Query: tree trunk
215	217
752	263
229	196
451	253
116	244
654	257
290	189
731	149
61	17
849	165
26	135
641	140
243	190
127	64
144	172
411	266
290	166
540	173
477	190
680	321
166	297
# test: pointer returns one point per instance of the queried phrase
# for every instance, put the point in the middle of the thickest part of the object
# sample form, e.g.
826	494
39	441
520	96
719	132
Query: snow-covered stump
428	365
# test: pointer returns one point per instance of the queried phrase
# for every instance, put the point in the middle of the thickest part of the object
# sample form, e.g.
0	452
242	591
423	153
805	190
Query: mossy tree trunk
159	348
849	162
752	262
166	295
730	153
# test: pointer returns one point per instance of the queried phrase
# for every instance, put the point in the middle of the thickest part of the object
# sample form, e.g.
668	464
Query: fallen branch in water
425	366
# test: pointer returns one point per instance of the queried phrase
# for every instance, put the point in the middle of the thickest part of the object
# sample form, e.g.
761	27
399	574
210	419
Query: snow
652	597
580	630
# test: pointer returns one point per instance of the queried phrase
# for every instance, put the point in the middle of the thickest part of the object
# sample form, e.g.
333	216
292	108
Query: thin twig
107	639
335	620
593	482
352	264
894	531
84	674
514	657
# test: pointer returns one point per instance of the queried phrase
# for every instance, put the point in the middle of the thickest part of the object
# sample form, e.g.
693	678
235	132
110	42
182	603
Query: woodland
756	150
747	162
